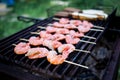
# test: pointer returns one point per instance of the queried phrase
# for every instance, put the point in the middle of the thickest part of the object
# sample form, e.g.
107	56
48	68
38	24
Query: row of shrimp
82	26
71	38
40	52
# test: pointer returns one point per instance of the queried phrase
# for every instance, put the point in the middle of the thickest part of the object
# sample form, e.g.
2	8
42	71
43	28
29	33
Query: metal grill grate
42	66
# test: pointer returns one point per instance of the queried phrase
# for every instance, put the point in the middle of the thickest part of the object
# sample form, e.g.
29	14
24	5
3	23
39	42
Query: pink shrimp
55	59
85	23
50	29
58	25
88	24
46	35
64	21
76	34
58	37
34	53
35	41
70	40
21	48
56	44
83	29
48	43
51	44
70	26
75	22
66	48
62	31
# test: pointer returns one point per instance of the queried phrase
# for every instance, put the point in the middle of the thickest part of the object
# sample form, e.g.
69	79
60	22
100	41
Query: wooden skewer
88	42
23	39
67	62
75	49
99	27
93	26
76	64
83	36
89	37
56	19
41	27
80	40
35	33
82	51
14	44
96	30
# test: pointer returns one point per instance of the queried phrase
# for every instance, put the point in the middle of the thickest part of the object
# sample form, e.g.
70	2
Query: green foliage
9	23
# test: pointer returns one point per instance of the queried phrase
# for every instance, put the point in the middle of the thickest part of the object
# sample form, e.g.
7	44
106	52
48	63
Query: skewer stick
89	37
23	39
41	27
76	64
99	27
56	18
83	36
34	33
88	42
14	44
82	51
96	30
93	26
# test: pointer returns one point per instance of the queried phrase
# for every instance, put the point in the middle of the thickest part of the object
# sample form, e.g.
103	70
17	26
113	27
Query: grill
24	68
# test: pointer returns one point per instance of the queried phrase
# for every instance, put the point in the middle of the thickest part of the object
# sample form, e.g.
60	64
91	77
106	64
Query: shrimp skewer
36	53
35	41
68	32
78	21
77	40
69	48
56	45
55	37
62	26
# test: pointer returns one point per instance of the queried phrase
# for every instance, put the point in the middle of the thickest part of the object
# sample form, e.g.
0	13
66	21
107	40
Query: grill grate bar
41	64
10	47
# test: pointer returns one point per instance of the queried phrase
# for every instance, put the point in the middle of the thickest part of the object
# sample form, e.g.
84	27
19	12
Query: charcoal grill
21	67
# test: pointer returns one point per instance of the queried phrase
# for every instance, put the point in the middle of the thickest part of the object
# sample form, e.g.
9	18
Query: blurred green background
39	9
